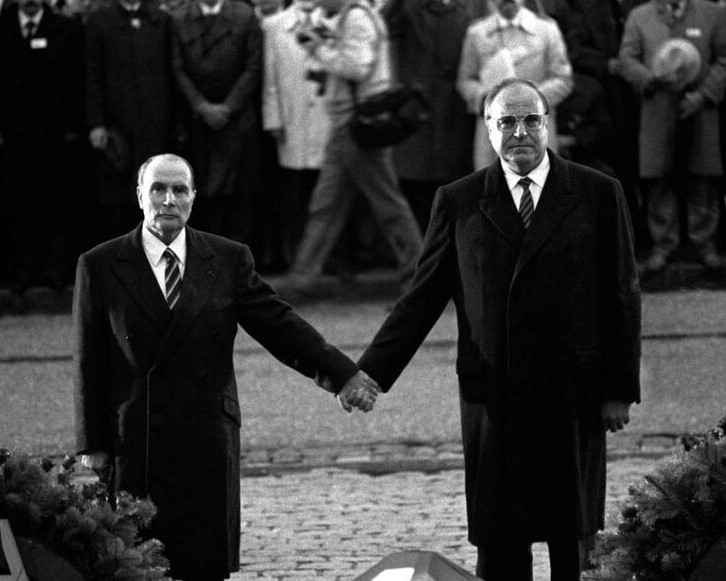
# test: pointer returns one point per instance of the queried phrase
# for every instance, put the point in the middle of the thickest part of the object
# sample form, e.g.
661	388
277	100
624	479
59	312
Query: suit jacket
41	90
158	389
549	327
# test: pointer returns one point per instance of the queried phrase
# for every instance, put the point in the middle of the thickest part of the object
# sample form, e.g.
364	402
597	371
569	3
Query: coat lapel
498	206
200	272
556	202
133	271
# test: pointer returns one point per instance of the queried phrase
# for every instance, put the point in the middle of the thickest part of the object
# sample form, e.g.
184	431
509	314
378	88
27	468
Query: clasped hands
360	391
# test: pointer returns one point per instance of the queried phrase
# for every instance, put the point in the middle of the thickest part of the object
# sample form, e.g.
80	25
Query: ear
138	197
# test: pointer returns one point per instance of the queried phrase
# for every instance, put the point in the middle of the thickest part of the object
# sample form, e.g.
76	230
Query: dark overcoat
222	63
158	390
427	37
549	329
130	88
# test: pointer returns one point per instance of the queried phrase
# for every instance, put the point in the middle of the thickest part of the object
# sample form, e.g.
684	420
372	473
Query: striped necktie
172	278
526	205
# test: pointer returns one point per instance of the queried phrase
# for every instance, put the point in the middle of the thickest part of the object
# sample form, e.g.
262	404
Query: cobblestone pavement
332	514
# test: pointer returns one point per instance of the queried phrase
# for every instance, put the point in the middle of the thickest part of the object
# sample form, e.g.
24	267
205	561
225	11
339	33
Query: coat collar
557	200
132	268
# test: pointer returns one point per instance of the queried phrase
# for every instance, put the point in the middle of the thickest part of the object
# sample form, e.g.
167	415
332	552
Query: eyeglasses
532	122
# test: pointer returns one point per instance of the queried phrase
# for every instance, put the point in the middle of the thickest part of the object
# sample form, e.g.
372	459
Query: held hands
215	115
360	391
615	415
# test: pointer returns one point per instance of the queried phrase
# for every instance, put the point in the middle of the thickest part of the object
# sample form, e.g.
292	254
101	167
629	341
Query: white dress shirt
211	10
538	176
24	19
154	249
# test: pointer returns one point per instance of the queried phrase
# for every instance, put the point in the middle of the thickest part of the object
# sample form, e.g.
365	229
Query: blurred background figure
426	41
293	112
673	52
41	96
130	101
593	42
513	41
218	66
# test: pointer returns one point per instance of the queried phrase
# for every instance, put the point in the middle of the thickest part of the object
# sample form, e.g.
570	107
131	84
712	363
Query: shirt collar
211	10
24	18
522	20
538	175
154	247
130	6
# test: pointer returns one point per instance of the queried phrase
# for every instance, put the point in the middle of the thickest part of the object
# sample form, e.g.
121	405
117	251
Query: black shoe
656	262
712	261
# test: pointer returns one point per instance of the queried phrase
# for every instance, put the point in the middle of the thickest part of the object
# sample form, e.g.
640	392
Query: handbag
388	117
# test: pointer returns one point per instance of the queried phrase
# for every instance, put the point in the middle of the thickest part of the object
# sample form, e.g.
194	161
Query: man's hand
615	415
216	115
691	104
99	462
359	391
98	137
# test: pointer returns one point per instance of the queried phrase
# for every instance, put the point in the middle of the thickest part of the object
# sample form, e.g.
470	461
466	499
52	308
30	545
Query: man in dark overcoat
218	67
156	313
548	310
41	94
130	99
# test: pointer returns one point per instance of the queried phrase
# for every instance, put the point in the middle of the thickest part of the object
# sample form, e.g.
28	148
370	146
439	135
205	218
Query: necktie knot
172	277
526	205
30	28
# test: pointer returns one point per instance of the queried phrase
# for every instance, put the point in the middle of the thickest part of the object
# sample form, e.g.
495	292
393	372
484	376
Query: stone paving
332	513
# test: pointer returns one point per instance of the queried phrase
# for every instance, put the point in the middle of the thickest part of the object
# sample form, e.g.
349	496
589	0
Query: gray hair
510	82
166	157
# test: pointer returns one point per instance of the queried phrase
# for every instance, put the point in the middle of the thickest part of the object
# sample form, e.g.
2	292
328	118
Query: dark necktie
526	205
30	28
172	278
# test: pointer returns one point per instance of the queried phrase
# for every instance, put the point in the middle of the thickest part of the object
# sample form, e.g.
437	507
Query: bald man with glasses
536	253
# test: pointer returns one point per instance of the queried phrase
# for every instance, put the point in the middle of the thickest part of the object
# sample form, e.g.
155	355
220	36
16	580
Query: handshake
360	391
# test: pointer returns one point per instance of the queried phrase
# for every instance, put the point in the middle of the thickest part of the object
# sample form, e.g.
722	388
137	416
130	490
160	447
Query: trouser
347	169
702	213
510	559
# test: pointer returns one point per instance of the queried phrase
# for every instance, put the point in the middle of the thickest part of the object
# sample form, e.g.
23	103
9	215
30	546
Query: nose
168	197
520	130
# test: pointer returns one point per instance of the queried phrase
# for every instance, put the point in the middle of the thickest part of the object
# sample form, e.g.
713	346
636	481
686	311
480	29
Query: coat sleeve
90	362
272	117
631	55
248	83
286	335
713	83
558	83
95	102
417	311
621	303
467	82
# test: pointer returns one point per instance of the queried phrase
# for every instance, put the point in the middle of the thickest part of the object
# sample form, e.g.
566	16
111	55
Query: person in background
41	122
156	313
355	55
426	43
130	99
512	42
680	153
293	108
218	67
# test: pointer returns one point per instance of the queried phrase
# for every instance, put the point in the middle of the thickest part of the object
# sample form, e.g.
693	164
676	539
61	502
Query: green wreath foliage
100	535
671	518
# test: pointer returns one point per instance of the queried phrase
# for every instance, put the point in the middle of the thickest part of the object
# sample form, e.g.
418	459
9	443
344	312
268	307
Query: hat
678	62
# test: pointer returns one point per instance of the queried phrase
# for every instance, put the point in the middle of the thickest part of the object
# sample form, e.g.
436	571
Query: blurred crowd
89	89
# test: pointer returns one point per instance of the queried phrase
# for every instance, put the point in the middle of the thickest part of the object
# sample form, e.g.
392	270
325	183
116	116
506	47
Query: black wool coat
158	390
549	329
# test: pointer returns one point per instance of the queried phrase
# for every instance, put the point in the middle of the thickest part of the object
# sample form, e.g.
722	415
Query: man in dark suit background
130	99
548	310
41	95
157	409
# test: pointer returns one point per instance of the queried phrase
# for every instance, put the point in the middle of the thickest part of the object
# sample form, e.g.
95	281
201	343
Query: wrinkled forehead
171	172
516	100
